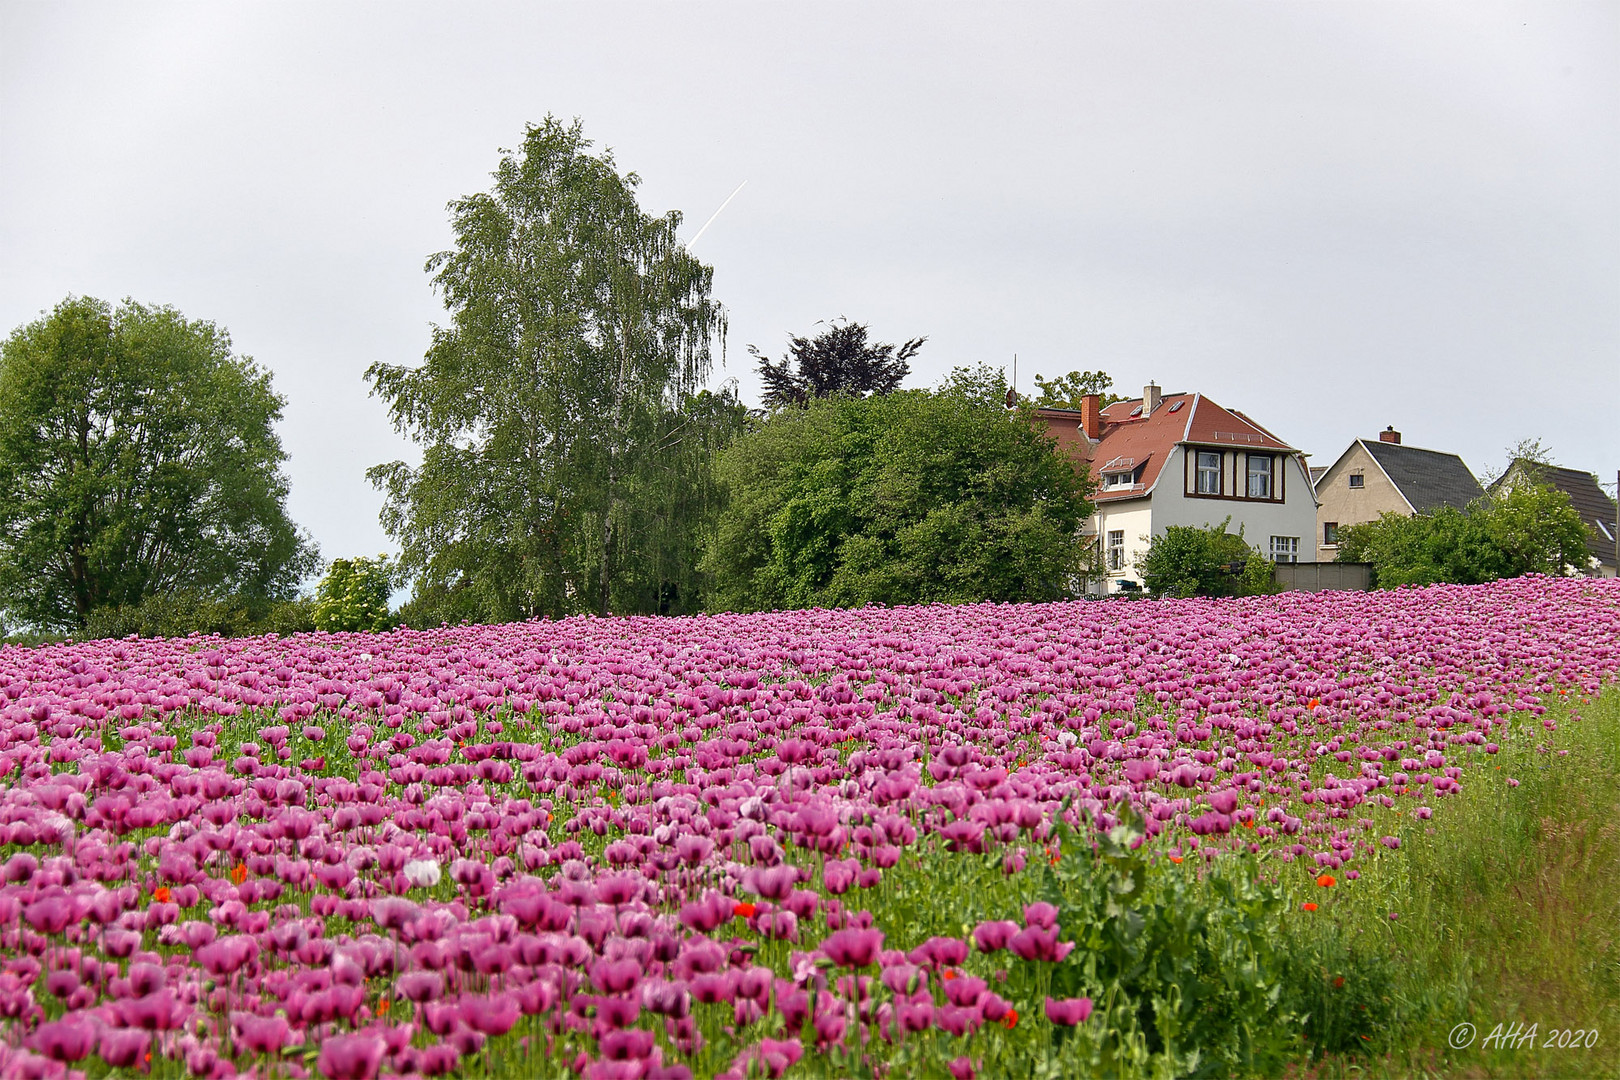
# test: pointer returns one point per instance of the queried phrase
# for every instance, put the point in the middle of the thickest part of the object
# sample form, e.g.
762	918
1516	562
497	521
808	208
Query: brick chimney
1091	416
1150	399
1390	435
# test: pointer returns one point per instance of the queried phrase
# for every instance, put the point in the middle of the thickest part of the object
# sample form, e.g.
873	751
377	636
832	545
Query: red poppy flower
1327	881
1010	1021
743	910
1307	906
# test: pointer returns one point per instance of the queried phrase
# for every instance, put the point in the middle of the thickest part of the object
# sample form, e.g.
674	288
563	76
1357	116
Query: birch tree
556	410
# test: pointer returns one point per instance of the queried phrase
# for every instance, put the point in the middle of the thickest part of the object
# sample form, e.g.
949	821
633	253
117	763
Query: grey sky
1331	216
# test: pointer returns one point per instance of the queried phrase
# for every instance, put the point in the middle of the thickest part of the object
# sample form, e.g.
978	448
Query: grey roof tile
1428	478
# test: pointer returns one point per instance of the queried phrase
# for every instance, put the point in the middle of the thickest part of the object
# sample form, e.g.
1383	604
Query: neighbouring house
1181	459
1597	510
1383	476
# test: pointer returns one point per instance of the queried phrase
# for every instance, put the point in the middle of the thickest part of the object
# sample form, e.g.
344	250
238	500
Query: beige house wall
1338	502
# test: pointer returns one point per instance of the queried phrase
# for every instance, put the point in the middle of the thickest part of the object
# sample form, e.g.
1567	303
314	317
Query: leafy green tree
1192	560
1519	529
908	497
138	455
565	439
1066	391
353	595
839	360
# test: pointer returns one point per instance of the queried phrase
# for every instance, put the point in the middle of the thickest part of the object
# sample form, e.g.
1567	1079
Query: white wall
1141	519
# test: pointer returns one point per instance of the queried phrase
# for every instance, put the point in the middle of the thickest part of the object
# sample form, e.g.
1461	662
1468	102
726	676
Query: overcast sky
1333	216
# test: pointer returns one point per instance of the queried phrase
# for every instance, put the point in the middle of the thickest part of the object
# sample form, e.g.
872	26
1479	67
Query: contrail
714	215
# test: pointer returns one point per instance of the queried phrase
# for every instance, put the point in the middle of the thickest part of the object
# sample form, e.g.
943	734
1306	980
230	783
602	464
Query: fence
1321	576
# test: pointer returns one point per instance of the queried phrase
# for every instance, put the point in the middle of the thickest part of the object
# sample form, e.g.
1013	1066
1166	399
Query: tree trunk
609	517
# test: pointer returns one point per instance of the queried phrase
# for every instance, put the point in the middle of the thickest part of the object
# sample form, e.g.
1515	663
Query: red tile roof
1145	442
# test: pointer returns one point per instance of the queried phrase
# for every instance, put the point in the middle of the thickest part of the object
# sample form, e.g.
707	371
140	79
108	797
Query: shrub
1186	560
1521	529
179	614
353	595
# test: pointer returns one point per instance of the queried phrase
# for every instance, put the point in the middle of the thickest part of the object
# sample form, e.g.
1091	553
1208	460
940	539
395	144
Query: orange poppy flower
239	873
382	1006
1307	906
948	974
161	894
743	910
1327	881
1175	858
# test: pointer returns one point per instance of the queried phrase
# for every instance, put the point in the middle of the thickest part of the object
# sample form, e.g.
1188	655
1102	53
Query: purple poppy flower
617	1012
493	1015
615	976
1035	943
627	1044
993	936
69	1039
122	1048
50	914
1041	914
351	1057
157	1011
852	947
420	986
1069	1011
261	1034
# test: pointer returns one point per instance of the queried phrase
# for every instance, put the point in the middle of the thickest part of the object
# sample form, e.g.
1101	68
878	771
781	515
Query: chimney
1150	399
1091	416
1390	435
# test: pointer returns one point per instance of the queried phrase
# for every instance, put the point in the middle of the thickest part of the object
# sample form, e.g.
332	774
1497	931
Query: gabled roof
1597	510
1317	472
1427	479
1180	418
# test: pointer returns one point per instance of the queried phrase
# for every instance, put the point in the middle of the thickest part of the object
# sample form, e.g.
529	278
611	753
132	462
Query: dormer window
1115	480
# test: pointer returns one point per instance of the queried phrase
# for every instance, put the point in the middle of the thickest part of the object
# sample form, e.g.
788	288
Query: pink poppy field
900	842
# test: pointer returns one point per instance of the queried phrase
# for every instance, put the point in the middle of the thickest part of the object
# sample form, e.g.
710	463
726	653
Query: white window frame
1207	477
1116	549
1267	474
1115	480
1285	549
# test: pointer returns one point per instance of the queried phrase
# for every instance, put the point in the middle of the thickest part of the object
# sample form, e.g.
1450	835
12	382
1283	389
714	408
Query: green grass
1509	913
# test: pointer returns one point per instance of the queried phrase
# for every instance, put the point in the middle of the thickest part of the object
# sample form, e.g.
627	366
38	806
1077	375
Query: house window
1112	481
1330	532
1116	549
1285	549
1209	473
1260	476
1357	480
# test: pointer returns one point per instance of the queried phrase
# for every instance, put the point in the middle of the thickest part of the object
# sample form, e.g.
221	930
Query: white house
1181	459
